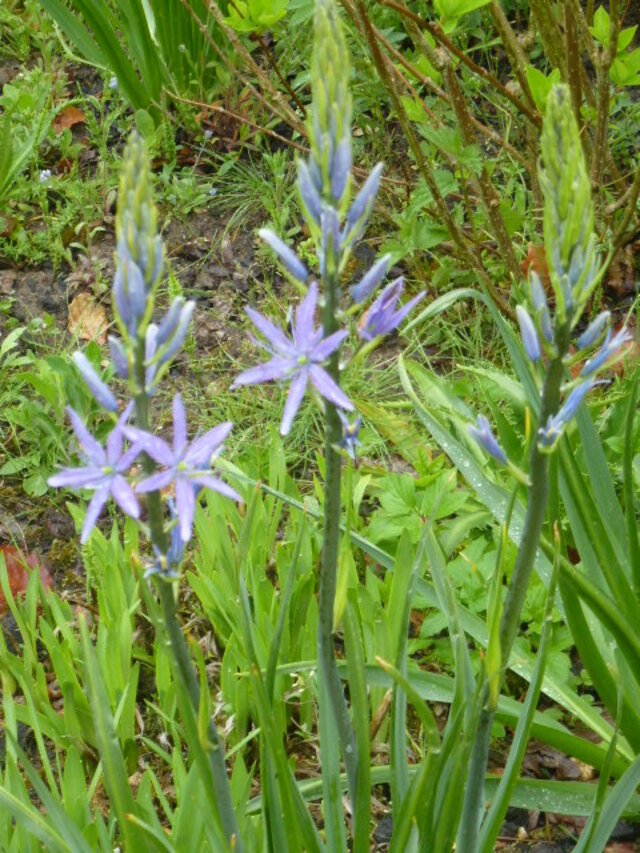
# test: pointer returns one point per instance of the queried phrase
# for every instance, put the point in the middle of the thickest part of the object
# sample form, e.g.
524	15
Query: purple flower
99	390
129	294
487	440
350	431
104	472
594	330
370	280
384	315
528	334
309	194
297	360
340	168
163	342
539	299
556	424
188	466
119	357
290	260
608	349
363	204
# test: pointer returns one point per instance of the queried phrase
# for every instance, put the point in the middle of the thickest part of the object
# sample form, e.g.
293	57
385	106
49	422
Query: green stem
177	646
534	520
328	670
183	667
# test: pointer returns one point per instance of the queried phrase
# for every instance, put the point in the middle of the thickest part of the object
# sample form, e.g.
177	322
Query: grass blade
115	774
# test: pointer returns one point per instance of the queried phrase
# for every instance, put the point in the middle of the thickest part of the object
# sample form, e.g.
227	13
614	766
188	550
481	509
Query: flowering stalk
177	645
310	357
141	356
330	129
570	251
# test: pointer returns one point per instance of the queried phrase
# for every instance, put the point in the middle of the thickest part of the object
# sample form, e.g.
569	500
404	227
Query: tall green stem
534	521
183	667
328	669
177	646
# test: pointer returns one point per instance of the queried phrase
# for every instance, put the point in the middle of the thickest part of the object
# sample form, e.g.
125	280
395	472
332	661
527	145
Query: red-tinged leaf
19	570
67	118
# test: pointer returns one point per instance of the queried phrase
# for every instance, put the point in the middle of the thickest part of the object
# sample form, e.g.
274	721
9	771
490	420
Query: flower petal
324	349
179	426
329	389
277	368
201	450
87	442
94	509
304	329
154	446
296	393
217	485
276	337
287	256
186	506
77	478
370	280
127	459
123	495
101	393
156	482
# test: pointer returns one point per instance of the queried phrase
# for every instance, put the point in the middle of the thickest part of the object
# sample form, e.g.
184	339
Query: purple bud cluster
538	336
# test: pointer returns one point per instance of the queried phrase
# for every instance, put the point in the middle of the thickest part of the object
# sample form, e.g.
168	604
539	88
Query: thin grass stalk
484	186
515	53
359	700
615	576
604	60
361	19
543	14
573	66
629	492
278	105
436	60
475	69
273	62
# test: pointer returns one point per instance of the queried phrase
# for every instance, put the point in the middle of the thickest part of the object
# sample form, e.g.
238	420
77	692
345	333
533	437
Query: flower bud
309	195
99	391
119	357
528	334
484	436
290	260
370	280
594	330
361	207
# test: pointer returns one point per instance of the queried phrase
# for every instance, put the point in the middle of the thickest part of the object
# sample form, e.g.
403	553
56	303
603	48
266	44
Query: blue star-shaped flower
298	360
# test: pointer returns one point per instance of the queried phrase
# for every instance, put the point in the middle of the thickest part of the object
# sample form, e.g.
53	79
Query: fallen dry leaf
67	118
19	569
87	319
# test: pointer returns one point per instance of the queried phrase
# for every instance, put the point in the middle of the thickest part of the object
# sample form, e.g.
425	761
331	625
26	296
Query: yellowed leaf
87	319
